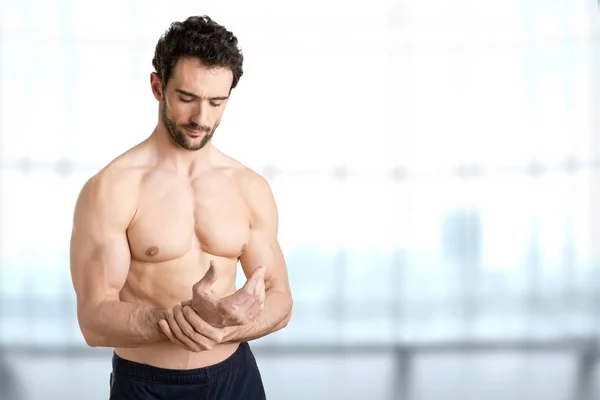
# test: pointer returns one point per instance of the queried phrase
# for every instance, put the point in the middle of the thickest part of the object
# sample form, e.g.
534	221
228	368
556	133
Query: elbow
90	335
289	314
92	339
287	318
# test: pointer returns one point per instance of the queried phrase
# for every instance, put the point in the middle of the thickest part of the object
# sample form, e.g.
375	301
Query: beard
178	135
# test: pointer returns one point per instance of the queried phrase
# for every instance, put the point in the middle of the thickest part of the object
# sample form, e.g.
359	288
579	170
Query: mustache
195	127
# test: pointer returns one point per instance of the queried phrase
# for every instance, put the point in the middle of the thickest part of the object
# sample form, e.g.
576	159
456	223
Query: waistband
131	369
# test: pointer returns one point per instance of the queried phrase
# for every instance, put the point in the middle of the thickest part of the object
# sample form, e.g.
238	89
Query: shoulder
259	198
253	183
121	175
253	186
250	183
255	190
112	191
112	180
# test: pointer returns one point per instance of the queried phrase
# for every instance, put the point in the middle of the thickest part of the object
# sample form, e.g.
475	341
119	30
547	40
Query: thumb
255	278
209	277
259	273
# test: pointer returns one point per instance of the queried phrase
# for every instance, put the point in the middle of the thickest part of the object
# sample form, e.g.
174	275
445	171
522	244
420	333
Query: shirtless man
158	232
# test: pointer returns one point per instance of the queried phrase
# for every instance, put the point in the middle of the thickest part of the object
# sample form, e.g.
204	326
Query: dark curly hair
201	37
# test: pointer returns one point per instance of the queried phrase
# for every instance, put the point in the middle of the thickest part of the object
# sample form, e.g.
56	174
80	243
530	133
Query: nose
200	116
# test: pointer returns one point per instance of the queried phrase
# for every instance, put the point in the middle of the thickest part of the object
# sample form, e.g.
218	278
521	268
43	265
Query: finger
262	297
259	290
209	278
179	333
187	328
201	326
257	276
211	274
164	327
186	303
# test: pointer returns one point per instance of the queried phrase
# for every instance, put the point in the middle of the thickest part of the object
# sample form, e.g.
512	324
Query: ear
156	85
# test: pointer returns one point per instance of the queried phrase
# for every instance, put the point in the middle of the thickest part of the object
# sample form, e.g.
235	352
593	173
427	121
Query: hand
184	327
237	309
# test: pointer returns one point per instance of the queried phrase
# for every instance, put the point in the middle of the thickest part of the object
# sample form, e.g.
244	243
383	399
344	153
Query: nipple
152	251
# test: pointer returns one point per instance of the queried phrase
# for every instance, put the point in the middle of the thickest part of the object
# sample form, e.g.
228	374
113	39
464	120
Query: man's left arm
263	249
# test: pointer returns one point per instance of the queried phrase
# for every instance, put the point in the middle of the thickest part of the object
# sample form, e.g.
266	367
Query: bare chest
181	216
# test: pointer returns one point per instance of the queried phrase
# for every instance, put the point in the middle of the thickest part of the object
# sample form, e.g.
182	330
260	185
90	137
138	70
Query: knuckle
237	317
198	338
216	335
178	334
190	314
204	345
197	289
188	331
230	309
197	348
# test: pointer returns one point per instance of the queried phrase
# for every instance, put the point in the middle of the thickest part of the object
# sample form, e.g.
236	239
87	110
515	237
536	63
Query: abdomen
163	285
172	356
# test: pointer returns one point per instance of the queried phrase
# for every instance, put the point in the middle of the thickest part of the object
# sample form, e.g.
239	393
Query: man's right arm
100	259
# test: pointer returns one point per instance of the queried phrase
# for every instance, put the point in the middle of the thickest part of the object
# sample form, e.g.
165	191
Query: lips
194	133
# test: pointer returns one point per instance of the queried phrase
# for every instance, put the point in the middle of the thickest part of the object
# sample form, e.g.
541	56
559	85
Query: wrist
156	315
230	334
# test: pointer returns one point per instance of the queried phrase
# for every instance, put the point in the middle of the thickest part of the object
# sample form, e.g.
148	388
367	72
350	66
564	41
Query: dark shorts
237	377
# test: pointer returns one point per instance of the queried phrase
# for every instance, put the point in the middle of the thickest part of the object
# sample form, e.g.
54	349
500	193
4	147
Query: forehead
192	75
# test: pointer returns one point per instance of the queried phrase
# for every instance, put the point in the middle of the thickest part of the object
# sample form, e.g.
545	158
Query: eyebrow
184	92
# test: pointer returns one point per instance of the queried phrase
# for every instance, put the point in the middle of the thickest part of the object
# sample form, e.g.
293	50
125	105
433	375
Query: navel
152	251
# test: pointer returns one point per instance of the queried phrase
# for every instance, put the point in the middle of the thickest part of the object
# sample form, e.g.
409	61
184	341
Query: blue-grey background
436	166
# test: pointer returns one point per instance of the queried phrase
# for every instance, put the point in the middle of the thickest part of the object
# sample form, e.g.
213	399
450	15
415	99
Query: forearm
113	323
275	316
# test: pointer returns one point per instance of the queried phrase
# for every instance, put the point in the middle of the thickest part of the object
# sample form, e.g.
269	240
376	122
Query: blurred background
436	166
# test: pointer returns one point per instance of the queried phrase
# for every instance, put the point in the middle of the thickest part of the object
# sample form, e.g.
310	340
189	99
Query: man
158	232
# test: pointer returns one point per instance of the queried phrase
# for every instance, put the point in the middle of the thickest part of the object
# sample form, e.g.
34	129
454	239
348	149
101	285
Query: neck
170	154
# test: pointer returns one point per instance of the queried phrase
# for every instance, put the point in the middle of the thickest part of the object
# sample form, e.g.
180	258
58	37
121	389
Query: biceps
99	268
265	250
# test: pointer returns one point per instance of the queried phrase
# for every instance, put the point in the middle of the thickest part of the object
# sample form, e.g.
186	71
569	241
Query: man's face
193	102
